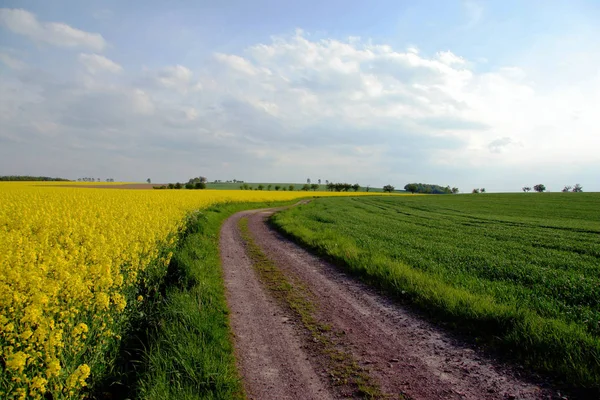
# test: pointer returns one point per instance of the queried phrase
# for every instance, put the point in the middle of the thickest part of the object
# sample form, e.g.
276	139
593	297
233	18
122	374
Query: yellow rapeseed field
70	261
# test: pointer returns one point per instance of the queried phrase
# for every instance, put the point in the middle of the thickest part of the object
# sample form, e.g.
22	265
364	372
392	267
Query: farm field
518	271
76	264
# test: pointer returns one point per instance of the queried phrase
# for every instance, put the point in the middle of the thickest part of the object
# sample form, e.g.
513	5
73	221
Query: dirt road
282	356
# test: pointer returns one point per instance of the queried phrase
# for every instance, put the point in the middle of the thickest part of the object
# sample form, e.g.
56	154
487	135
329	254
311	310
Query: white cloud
177	77
236	62
501	144
12	62
449	58
25	23
95	63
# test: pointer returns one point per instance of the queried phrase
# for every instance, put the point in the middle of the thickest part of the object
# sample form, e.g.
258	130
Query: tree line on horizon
7	178
540	188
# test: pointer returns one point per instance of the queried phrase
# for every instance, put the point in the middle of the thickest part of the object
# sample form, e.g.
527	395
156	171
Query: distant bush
178	186
388	188
277	187
200	185
291	188
428	188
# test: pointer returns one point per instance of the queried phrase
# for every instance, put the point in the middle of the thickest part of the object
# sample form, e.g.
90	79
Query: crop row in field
75	263
522	270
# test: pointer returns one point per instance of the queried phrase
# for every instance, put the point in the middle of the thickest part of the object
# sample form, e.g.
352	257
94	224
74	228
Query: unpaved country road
401	352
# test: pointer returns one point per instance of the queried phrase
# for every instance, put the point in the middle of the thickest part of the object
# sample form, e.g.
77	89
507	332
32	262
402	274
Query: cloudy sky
495	94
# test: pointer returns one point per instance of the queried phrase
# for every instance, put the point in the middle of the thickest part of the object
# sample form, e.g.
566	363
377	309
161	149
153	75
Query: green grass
180	344
518	271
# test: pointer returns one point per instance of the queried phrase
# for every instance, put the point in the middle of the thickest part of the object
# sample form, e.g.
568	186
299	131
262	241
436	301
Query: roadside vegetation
520	273
183	348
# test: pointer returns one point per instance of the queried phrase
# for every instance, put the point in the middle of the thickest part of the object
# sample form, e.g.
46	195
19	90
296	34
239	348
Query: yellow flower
102	301
16	361
39	384
79	329
53	368
26	335
119	301
78	377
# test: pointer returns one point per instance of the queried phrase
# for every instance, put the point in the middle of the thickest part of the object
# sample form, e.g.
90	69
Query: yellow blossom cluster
67	258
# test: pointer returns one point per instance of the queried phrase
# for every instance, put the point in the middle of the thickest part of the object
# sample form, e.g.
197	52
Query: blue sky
495	94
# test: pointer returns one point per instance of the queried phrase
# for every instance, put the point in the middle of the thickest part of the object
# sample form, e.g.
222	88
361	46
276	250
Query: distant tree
269	187
308	181
178	185
198	179
388	188
539	188
319	181
482	190
526	188
189	185
566	189
261	187
330	186
411	187
455	190
577	188
306	187
368	188
356	187
326	182
284	188
200	185
277	187
171	186
242	187
315	186
475	190
149	180
291	188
